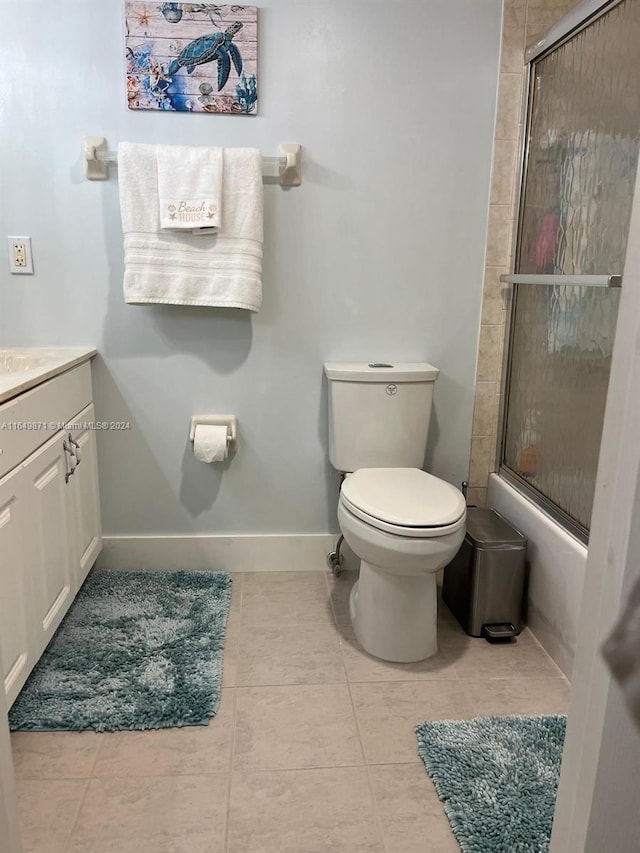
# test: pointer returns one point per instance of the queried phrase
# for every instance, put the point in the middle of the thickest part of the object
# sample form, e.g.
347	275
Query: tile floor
312	749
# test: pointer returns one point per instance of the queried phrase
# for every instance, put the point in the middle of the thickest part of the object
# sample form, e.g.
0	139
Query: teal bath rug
497	778
137	650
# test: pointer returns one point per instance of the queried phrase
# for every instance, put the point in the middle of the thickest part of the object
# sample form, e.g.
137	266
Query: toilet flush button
380	364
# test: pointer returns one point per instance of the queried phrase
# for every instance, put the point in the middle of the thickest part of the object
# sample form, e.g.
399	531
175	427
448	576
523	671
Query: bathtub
557	570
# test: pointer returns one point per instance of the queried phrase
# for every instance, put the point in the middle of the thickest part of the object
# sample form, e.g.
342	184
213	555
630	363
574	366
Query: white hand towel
178	268
189	188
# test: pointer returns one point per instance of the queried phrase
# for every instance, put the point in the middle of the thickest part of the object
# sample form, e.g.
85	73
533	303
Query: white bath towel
222	269
189	188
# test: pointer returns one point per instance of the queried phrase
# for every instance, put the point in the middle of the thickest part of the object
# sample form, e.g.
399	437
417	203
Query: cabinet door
86	531
15	586
48	501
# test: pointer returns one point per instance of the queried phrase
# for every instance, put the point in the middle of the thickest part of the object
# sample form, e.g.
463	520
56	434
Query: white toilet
403	523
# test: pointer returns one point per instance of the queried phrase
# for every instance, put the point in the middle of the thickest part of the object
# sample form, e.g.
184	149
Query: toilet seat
404	502
400	530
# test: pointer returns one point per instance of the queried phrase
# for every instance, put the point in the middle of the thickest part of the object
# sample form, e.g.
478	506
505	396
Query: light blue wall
379	255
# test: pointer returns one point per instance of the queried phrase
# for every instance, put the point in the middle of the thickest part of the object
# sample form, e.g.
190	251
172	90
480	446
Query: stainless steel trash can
484	584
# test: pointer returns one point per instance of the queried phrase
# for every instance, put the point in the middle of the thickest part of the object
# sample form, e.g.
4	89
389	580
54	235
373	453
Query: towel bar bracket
96	164
285	168
290	171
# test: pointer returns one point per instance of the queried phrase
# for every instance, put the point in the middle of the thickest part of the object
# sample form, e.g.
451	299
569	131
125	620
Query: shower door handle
558	280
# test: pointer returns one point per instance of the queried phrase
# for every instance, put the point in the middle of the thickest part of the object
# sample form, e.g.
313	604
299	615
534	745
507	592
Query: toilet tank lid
380	371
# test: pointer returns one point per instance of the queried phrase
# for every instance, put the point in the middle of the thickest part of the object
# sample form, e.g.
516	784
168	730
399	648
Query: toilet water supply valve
334	560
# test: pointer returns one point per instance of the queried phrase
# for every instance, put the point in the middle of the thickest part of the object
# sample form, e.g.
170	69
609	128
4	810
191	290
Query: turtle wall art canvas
191	57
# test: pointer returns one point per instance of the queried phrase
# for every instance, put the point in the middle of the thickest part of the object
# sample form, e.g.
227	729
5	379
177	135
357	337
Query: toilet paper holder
230	421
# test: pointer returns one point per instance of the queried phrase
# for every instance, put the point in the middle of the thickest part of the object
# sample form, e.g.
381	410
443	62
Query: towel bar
605	280
285	169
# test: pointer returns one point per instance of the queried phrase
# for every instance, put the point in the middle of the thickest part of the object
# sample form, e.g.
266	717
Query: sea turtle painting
191	57
213	46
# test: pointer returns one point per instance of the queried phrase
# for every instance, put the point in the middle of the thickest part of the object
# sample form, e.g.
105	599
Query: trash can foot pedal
499	631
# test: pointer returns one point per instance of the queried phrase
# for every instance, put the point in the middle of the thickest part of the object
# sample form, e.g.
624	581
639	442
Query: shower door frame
574	22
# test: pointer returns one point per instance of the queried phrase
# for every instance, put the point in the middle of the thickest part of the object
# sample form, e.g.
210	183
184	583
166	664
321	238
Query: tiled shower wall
524	22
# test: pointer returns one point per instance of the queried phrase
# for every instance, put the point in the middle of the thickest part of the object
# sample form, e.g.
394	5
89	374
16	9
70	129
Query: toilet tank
379	414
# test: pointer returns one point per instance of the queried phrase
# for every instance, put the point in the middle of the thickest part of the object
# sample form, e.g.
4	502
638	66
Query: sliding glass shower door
581	159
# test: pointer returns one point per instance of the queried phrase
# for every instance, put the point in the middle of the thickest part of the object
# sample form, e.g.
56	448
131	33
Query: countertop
22	368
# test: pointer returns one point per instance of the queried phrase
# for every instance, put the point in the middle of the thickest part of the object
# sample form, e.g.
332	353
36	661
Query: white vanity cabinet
50	531
48	551
86	532
18	655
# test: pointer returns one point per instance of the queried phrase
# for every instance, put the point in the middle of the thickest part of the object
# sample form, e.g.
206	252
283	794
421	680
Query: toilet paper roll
210	443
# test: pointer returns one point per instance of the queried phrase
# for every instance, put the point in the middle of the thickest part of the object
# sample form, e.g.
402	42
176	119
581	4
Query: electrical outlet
20	257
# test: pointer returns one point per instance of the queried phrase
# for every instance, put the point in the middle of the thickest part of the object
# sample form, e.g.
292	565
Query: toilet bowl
404	525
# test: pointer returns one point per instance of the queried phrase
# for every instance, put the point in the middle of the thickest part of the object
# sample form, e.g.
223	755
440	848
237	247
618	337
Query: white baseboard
550	639
240	553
